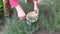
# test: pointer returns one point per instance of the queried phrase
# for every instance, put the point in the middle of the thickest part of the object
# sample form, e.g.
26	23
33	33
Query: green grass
49	18
1	8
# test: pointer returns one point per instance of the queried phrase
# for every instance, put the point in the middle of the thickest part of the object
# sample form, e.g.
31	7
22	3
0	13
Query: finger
36	11
22	18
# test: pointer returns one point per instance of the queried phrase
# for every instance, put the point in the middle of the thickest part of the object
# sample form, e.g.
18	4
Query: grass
49	18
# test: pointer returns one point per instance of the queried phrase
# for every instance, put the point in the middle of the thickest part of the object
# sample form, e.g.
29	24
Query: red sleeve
13	3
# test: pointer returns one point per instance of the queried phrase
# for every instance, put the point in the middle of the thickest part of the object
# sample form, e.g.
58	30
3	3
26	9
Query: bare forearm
20	11
18	7
35	2
35	6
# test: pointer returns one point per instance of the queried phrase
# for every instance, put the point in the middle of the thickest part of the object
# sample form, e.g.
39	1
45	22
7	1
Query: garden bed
49	20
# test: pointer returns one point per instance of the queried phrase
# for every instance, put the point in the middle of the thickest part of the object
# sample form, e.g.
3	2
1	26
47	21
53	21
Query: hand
21	15
36	9
20	12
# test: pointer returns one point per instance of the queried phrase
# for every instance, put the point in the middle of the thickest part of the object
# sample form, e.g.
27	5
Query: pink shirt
13	3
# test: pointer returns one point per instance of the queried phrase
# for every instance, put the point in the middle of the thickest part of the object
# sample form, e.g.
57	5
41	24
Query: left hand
36	9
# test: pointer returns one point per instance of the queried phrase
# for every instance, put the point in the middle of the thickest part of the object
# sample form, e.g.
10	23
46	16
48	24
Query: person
20	11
